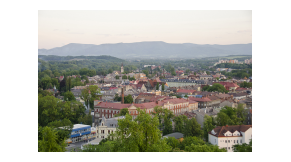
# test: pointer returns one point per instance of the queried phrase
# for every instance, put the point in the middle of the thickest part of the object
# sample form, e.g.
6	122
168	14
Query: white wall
221	141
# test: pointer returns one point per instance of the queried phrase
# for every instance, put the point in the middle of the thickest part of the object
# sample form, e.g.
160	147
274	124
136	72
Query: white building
107	126
227	136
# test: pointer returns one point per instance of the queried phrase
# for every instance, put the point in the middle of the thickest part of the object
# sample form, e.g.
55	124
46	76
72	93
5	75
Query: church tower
121	68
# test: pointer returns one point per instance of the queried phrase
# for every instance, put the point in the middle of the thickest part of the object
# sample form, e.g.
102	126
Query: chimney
122	96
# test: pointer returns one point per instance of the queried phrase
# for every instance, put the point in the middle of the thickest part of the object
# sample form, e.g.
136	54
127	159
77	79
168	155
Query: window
237	141
228	141
108	131
240	141
214	140
233	141
229	148
225	141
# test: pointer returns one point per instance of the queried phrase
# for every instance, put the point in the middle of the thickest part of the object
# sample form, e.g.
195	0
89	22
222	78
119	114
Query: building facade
227	136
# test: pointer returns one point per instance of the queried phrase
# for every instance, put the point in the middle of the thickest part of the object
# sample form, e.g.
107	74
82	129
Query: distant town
107	104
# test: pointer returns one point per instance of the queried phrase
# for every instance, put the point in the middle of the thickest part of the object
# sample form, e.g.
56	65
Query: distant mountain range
149	50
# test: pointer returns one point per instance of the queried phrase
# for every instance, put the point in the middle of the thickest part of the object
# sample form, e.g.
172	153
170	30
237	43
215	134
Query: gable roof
228	84
220	130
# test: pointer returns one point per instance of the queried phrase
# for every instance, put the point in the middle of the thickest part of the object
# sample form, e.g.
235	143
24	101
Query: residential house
229	102
215	101
107	126
229	86
227	136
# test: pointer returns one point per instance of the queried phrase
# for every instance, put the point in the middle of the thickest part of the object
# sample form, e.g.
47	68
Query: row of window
80	131
102	110
102	131
228	141
230	134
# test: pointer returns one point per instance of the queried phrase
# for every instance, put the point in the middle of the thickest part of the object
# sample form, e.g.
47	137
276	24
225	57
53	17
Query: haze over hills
142	50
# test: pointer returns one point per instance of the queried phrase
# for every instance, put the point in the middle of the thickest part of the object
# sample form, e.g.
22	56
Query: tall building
121	70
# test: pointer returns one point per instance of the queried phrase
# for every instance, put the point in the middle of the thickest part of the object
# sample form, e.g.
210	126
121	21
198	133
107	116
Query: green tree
63	127
180	123
124	77
131	78
89	94
190	140
49	141
123	112
207	72
173	142
158	111
157	86
69	96
243	147
203	148
215	87
128	99
45	82
86	119
163	87
222	119
140	135
192	128
167	117
116	77
208	125
116	97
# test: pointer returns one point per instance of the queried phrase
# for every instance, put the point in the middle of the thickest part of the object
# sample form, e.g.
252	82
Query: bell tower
121	70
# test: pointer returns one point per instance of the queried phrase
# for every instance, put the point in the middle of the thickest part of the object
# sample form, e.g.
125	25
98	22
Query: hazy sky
58	28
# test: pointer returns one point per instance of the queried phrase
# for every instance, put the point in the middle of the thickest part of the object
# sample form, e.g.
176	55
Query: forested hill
78	58
149	50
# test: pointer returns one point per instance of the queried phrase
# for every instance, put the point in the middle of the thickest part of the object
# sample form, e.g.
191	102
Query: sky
58	28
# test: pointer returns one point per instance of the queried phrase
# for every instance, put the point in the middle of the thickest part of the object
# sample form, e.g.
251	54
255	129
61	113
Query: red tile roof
203	99
185	91
228	84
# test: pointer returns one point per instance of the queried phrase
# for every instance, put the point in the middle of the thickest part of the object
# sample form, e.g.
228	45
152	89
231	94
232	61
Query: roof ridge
220	130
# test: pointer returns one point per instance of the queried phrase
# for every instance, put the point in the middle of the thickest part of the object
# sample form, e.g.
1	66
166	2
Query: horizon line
141	42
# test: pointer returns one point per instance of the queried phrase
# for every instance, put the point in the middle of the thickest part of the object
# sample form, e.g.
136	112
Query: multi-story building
203	102
227	136
80	132
176	105
107	126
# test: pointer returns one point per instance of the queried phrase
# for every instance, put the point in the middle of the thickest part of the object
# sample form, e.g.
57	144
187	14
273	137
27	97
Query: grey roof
111	122
177	135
